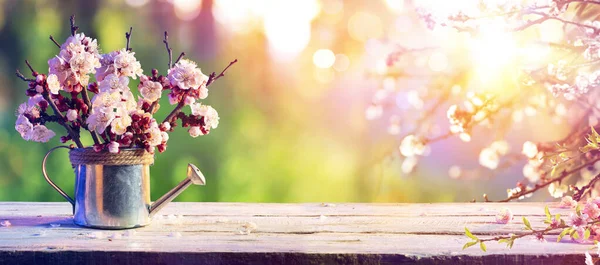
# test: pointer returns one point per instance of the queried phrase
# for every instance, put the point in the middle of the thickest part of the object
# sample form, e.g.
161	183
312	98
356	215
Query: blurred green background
290	131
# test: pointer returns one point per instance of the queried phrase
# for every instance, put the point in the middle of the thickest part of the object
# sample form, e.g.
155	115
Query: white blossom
489	158
186	75
121	121
41	134
411	146
99	119
530	149
150	90
72	114
113	147
195	131
24	127
53	84
211	117
113	83
127	65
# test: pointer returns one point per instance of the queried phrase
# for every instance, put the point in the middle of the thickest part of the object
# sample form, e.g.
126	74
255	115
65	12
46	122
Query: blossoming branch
113	116
562	85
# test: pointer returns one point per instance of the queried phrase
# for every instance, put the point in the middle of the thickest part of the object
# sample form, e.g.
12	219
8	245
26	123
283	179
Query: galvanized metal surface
117	196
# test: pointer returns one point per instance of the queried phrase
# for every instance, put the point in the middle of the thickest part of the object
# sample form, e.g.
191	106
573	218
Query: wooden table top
255	233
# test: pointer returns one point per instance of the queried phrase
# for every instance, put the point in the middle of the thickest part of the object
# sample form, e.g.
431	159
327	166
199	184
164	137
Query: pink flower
577	221
113	147
591	209
567	202
504	216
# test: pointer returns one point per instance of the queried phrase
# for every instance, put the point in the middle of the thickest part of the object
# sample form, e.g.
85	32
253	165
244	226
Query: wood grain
214	233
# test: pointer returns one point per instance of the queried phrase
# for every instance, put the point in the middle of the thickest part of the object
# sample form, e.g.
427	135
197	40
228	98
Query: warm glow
187	9
491	52
287	26
324	58
395	5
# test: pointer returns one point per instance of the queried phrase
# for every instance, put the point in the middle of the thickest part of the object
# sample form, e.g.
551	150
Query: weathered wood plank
209	233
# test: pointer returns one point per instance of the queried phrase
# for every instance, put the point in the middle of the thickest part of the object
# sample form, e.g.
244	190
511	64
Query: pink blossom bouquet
113	116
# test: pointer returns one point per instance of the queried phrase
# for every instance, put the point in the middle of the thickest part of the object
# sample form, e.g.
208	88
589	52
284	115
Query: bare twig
29	65
73	27
179	58
55	42
86	100
212	76
581	192
169	50
128	37
20	75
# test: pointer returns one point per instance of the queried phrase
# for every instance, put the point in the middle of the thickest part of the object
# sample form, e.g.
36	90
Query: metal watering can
112	191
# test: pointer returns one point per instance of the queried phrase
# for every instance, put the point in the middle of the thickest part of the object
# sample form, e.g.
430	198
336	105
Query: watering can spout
194	176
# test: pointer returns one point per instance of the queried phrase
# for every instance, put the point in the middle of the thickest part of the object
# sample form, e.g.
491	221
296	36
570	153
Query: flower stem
62	119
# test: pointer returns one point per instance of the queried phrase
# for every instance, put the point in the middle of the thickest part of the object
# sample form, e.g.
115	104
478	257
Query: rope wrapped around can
133	156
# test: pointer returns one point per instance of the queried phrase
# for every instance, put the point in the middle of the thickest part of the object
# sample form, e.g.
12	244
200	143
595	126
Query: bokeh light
324	58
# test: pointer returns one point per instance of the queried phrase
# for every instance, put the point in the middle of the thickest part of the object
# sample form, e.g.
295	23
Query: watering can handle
67	197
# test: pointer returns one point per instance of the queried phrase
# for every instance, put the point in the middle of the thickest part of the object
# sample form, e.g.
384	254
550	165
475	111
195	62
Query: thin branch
73	27
20	75
179	58
55	42
128	37
86	100
29	65
581	192
212	76
169	50
62	119
562	176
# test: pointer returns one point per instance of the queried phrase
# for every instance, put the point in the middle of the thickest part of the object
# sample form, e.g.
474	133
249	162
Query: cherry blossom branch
169	50
537	187
73	27
212	77
581	192
20	75
61	121
86	100
179	58
128	37
30	68
55	42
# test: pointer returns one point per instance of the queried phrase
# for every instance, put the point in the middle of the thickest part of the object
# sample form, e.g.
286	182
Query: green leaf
578	210
527	224
574	234
586	234
469	234
562	234
547	211
482	246
469	244
503	240
557	217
